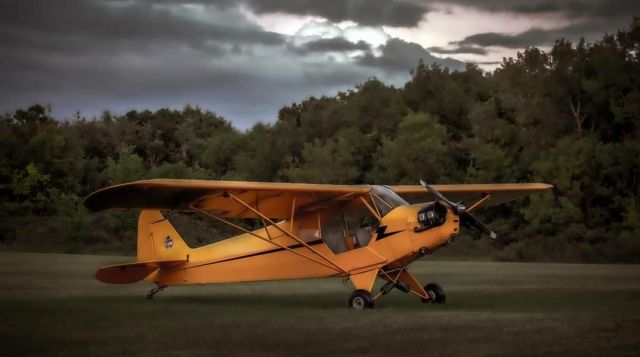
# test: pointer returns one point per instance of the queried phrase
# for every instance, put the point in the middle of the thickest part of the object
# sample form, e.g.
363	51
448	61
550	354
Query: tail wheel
361	300
436	294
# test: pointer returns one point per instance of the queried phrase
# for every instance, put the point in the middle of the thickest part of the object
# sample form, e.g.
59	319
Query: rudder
158	239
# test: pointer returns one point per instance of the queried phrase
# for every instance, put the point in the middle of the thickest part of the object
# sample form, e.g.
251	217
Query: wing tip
90	202
545	186
94	202
102	199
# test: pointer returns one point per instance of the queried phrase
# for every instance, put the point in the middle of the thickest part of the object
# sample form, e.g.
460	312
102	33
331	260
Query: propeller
466	218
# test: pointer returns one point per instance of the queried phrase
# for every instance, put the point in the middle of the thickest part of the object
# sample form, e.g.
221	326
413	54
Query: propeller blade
440	196
473	221
465	217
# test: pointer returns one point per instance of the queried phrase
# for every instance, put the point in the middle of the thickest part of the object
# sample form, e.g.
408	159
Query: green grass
50	304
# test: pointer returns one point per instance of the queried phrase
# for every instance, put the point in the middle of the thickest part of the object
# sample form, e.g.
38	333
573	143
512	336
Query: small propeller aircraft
359	232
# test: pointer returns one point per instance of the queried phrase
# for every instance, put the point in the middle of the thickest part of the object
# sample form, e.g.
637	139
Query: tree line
569	116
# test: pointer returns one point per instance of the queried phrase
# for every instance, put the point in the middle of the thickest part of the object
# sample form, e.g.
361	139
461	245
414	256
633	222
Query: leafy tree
127	167
216	153
433	89
331	161
417	151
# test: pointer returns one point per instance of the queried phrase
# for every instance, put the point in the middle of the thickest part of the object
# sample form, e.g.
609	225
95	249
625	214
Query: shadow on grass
306	301
528	301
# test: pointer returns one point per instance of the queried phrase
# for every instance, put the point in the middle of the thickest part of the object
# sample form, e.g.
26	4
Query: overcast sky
246	59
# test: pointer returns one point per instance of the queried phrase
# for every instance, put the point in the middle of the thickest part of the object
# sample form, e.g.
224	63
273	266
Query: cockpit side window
381	205
349	228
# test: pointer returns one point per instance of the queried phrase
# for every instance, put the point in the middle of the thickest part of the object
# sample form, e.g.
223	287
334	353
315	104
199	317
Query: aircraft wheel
361	300
436	293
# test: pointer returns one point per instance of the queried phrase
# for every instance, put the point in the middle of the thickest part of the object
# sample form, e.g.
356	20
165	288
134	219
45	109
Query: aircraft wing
274	200
469	193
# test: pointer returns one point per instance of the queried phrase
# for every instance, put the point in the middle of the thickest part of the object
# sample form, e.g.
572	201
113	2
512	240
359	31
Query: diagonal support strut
284	231
205	213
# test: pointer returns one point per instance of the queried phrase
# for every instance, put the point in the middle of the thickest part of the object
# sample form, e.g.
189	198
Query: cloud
336	44
92	55
591	30
531	37
573	8
324	30
120	23
364	12
95	55
401	55
463	49
571	20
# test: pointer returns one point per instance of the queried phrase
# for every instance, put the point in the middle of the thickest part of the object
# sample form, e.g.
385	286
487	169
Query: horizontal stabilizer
132	272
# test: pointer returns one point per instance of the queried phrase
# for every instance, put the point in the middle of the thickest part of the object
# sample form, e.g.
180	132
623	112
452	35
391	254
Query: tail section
159	246
158	240
132	272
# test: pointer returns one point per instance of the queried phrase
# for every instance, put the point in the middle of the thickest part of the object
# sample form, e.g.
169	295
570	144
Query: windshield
385	199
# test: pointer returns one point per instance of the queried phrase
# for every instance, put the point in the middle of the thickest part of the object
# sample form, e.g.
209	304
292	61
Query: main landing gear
396	278
361	300
436	294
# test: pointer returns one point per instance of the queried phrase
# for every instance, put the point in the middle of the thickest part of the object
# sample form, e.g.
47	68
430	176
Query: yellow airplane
359	232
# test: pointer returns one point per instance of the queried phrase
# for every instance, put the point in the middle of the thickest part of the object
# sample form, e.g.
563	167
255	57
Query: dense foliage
570	117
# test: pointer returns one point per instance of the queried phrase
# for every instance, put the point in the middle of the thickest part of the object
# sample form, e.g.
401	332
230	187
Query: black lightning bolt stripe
382	234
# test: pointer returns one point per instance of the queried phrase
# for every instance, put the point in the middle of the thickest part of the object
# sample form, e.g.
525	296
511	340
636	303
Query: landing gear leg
154	291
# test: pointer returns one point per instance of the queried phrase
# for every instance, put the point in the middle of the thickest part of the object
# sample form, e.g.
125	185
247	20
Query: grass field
50	304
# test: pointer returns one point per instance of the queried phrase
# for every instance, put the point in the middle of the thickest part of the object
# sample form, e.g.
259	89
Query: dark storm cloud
363	12
92	55
400	55
531	37
336	44
463	49
575	8
118	23
591	30
589	20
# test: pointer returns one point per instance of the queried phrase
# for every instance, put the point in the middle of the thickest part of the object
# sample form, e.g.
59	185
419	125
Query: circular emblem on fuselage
168	242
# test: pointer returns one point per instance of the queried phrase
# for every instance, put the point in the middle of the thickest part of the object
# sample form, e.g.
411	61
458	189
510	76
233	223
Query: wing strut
485	197
293	212
371	209
284	231
205	213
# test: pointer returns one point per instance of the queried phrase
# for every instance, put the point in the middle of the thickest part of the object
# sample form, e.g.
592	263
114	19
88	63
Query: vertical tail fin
158	239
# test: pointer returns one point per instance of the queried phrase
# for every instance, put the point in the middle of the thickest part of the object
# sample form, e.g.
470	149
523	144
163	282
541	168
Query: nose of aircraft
466	218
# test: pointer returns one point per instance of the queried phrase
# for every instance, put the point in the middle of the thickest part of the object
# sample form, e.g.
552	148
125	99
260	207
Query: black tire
361	300
436	292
